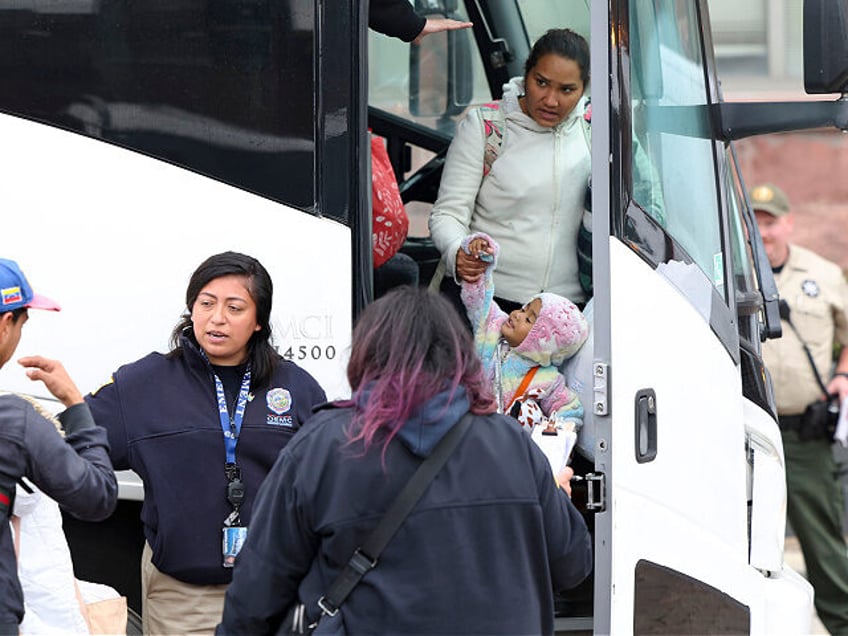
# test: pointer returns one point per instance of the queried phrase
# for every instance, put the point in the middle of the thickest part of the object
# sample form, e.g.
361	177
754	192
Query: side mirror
441	81
825	46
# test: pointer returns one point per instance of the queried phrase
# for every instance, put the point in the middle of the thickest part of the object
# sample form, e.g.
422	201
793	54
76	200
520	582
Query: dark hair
16	313
408	346
260	352
565	43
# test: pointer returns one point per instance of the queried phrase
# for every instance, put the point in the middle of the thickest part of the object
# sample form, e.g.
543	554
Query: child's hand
479	248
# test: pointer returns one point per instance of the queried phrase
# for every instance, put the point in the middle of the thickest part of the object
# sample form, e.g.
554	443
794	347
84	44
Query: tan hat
769	198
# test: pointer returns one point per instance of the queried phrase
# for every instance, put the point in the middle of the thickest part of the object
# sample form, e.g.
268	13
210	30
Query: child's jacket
560	330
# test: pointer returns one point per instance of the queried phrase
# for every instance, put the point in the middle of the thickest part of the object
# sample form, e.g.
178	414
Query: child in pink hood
522	350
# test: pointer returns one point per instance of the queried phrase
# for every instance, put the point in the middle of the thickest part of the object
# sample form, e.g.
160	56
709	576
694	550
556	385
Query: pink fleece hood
560	330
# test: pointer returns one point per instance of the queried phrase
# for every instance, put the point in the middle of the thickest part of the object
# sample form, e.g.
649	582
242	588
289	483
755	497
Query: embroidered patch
11	295
280	420
279	400
810	287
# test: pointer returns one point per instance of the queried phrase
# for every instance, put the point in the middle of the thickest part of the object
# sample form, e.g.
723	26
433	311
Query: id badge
233	539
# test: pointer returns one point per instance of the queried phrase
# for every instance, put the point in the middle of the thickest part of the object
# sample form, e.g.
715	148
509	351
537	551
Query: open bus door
672	542
688	456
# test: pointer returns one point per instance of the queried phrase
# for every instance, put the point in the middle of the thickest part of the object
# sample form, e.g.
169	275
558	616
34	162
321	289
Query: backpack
494	131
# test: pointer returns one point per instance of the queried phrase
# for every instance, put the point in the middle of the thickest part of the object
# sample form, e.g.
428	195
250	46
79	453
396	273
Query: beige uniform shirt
818	299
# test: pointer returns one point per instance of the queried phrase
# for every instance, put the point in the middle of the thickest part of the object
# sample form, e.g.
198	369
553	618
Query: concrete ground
793	557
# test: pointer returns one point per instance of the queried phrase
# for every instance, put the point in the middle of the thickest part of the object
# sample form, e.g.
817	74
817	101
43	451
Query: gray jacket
531	202
75	471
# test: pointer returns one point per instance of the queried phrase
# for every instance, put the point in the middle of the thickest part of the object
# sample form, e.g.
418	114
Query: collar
430	421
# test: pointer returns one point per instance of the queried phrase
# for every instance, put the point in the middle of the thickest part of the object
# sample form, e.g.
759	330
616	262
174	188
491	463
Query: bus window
389	76
194	84
540	16
673	157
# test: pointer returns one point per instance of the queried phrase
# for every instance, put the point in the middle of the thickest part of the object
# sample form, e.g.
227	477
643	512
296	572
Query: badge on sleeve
810	287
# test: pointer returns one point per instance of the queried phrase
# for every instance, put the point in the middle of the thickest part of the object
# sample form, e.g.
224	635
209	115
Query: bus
140	137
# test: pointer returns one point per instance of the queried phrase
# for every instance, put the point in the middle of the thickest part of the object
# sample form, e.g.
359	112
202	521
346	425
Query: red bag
389	221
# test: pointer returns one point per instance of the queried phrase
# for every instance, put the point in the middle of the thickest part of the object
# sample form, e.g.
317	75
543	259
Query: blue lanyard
232	425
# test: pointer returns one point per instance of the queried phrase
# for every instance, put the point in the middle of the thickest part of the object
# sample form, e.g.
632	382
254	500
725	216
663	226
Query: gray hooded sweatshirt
531	202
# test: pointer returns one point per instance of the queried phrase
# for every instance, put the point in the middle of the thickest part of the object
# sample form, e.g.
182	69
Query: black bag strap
365	557
784	314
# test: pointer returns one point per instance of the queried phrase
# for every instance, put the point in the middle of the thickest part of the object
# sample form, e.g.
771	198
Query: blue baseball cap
15	291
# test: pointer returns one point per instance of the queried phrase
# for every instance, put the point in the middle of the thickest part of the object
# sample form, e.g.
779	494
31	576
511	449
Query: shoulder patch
111	380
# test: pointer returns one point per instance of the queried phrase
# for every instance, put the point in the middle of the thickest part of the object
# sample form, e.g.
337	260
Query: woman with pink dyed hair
484	548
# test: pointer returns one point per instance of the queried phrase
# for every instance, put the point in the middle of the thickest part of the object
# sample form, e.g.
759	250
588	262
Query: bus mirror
440	76
825	46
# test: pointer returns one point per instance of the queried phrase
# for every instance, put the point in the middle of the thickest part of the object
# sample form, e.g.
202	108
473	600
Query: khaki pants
172	607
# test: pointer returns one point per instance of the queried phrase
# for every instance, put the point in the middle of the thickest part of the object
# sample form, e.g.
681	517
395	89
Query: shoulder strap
494	131
494	127
365	558
522	388
586	124
804	345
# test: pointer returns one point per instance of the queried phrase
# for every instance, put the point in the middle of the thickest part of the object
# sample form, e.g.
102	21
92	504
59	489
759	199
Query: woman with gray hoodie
518	170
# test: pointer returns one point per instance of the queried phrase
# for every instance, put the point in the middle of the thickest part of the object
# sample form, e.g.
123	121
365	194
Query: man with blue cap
75	471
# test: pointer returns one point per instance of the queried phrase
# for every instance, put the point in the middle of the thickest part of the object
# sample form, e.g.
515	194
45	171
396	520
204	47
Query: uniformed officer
817	295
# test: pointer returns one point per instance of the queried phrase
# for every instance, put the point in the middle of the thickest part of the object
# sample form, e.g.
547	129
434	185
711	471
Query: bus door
671	536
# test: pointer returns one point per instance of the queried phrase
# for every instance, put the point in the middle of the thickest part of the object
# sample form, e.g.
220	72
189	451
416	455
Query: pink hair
408	346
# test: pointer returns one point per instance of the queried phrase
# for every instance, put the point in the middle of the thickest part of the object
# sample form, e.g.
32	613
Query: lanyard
232	425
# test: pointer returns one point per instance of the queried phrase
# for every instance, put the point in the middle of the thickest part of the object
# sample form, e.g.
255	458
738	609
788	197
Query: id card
233	539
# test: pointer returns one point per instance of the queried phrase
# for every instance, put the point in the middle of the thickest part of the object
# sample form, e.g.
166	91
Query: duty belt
790	422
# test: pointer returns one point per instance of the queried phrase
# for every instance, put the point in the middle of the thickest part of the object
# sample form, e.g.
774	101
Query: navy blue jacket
74	471
162	417
482	552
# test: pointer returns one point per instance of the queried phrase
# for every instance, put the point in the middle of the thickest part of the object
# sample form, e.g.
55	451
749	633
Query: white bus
137	138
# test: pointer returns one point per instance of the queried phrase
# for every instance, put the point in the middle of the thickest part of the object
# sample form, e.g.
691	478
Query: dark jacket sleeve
268	571
395	18
105	405
76	471
569	541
